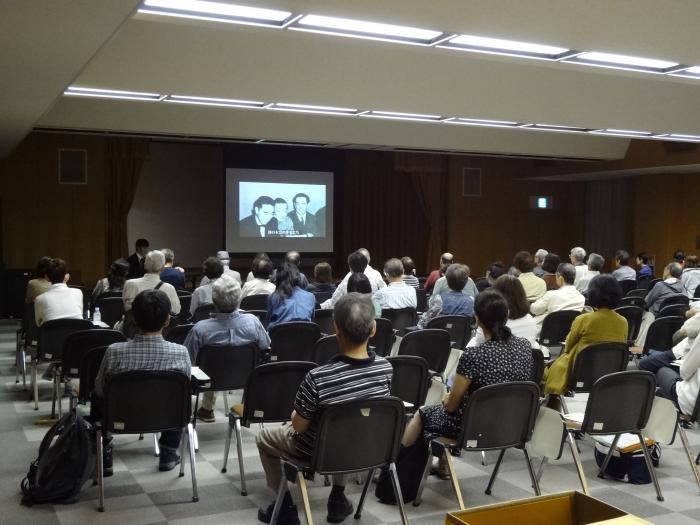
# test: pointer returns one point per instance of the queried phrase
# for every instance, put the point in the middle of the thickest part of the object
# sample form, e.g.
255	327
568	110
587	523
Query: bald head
365	252
446	258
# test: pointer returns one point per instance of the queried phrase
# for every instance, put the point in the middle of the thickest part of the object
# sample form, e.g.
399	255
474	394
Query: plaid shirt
142	353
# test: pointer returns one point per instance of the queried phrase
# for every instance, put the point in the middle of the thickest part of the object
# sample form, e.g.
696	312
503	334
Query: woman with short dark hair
550	265
114	282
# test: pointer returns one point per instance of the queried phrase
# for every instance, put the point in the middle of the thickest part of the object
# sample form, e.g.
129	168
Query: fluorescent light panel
498	46
630	63
77	91
321	110
481	122
395	115
556	128
217	102
691	72
217	11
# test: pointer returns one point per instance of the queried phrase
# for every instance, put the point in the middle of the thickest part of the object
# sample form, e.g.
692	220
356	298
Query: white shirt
692	329
257	286
227	271
524	327
565	298
688	388
395	296
201	295
690	279
58	302
375	281
583	278
133	287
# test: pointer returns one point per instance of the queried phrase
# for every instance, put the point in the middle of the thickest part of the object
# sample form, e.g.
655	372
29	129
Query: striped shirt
342	379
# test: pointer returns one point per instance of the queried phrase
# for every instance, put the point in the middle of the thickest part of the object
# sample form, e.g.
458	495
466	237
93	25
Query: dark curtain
609	206
125	158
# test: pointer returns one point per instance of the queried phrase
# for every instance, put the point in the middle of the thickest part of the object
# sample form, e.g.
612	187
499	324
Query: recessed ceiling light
481	122
216	11
621	132
322	110
556	128
395	115
363	29
615	61
678	137
690	72
209	101
74	91
497	46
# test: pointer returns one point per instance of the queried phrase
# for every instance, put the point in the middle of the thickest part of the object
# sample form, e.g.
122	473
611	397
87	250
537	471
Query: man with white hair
577	255
153	264
225	259
358	261
595	265
227	327
539	259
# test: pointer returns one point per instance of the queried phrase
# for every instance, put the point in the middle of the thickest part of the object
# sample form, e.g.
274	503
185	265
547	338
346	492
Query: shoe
107	470
168	460
207	416
440	470
288	512
339	508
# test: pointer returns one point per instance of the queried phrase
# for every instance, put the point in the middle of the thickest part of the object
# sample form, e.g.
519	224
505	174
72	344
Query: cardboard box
564	508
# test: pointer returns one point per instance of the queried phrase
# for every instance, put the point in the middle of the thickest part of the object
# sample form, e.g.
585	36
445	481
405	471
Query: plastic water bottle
96	316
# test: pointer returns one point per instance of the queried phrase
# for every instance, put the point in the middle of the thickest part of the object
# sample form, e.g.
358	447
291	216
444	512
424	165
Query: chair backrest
177	334
326	348
78	344
459	327
185	303
169	398
29	323
432	344
627	285
421	299
260	314
401	318
89	366
203	312
383	338
638	292
294	341
111	309
500	416
409	381
619	403
108	295
675	299
633	314
228	367
255	302
653	282
324	320
660	334
556	326
643	282
537	366
377	423
595	361
482	283
632	300
674	310
52	335
271	390
322	297
696	295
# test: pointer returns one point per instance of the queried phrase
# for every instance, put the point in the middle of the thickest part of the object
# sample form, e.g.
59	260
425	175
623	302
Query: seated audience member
227	327
409	269
359	283
566	297
550	265
655	359
289	302
595	265
623	271
323	279
398	294
539	261
357	262
225	259
114	282
500	357
679	257
292	257
520	322
41	283
451	301
148	351
493	272
445	260
469	288
682	388
643	264
355	374
691	275
671	285
577	256
153	264
604	324
375	278
212	270
137	259
59	301
170	274
259	284
533	285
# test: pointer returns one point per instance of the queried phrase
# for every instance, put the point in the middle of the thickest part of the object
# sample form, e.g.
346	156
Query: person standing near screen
281	224
303	220
255	224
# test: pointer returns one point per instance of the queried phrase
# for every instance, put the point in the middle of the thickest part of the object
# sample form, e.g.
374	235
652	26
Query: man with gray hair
153	264
578	257
172	274
595	265
225	259
227	327
671	285
398	294
566	297
539	259
356	373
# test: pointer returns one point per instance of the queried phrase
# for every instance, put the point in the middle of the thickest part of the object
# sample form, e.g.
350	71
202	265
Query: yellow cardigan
599	326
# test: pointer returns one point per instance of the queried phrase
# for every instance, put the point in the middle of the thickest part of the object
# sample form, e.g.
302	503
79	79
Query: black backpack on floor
66	461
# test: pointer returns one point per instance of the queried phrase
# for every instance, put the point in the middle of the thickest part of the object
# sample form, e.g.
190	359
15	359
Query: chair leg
484	463
305	497
564	408
183	439
611	451
156	447
577	462
227	446
650	467
278	500
17	351
540	470
495	471
326	480
59	396
397	492
195	439
535	484
227	407
193	464
424	478
453	479
358	513
686	446
140	437
54	396
23	362
100	472
35	385
239	447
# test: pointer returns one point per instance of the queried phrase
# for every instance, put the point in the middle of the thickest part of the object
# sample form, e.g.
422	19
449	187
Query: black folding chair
643	283
27	336
185	303
294	341
255	302
692	418
537	366
459	327
674	310
324	320
326	349
696	295
401	318
410	380
633	314
177	334
260	314
653	282
376	422
432	344
168	407
556	326
627	285
111	309
675	299
496	417
89	366
203	312
383	339
421	299
322	297
633	300
660	334
638	292
268	397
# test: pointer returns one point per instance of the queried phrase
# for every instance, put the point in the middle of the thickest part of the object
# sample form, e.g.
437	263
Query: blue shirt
299	306
456	303
173	276
226	329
